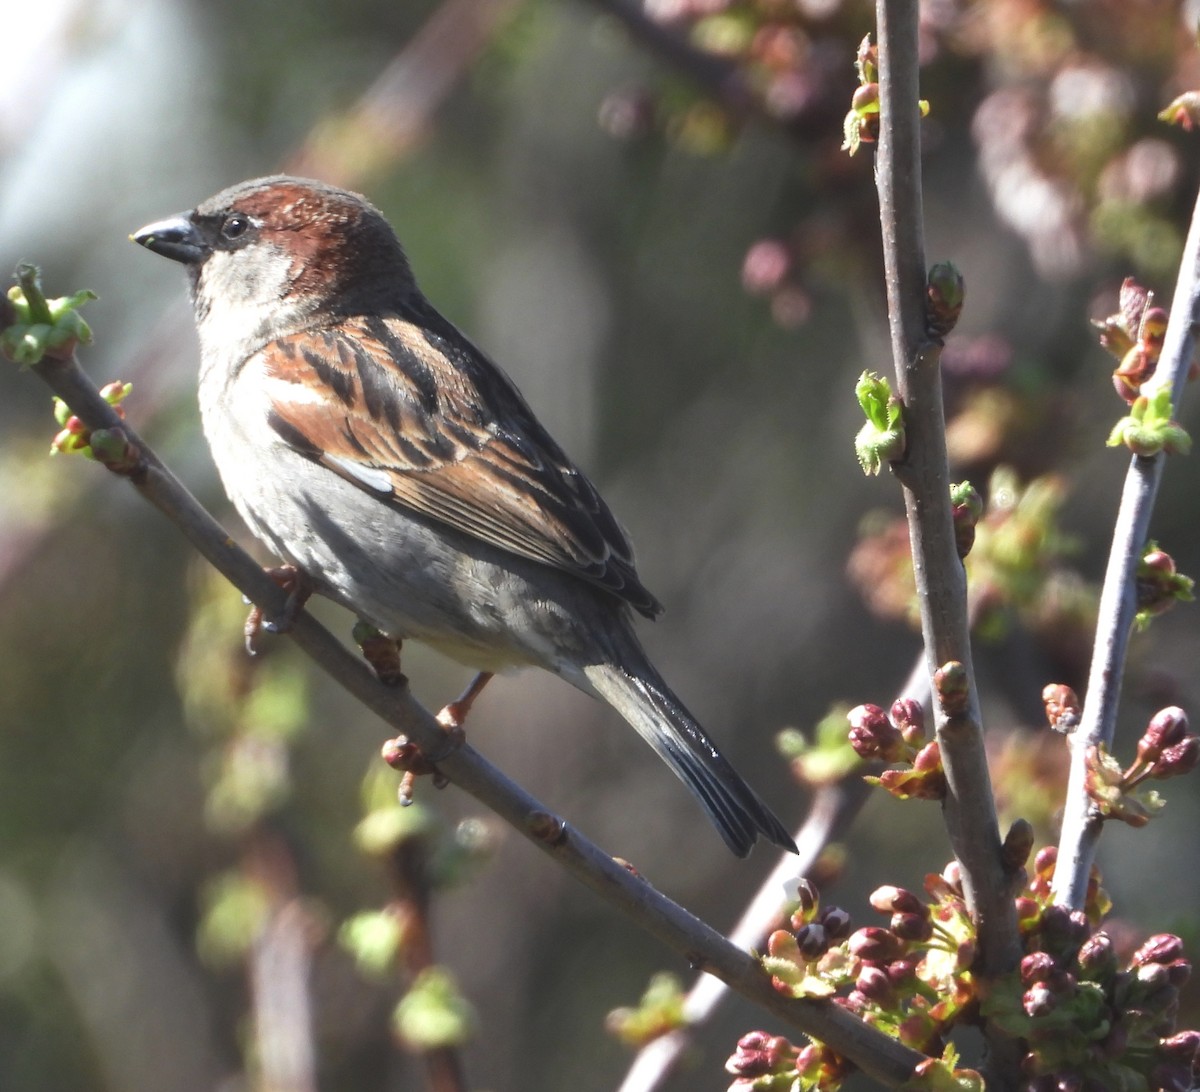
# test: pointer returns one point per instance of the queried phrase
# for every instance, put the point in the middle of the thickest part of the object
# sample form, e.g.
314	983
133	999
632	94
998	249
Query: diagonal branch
704	948
1118	605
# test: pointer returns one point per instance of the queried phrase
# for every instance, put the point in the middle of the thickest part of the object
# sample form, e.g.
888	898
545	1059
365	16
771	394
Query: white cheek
242	301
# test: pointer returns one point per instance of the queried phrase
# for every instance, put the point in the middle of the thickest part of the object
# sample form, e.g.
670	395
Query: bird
397	469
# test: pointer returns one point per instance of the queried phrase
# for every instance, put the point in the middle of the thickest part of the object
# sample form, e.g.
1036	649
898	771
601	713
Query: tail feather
661	720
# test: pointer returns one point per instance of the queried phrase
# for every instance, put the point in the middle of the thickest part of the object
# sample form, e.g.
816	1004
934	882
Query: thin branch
408	868
1081	827
280	966
704	948
833	809
969	809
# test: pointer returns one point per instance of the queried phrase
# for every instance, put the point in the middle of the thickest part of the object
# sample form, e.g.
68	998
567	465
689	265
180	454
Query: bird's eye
235	226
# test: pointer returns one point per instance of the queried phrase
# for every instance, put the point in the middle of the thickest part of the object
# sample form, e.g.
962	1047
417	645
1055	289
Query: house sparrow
367	442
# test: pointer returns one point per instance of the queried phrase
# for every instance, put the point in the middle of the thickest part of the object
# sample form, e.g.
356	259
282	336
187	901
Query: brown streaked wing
423	421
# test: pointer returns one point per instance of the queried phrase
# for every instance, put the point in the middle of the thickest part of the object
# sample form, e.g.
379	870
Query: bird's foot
381	652
402	753
299	589
454	714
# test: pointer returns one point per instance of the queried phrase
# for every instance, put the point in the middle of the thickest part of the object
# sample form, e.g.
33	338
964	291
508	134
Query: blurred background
643	213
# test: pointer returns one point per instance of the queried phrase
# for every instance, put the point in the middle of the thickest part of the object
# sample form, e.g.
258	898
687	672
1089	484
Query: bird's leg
455	713
299	589
381	652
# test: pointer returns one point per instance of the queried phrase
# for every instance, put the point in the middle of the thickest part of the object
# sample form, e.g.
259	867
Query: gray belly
413	578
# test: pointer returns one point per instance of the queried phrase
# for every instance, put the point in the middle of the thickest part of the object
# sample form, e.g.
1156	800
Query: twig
704	948
969	809
1081	827
833	809
280	965
408	867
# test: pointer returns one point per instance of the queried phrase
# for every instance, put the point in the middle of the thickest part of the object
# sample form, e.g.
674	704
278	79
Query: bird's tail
660	718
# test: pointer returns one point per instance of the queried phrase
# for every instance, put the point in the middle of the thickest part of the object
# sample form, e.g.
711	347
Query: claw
299	589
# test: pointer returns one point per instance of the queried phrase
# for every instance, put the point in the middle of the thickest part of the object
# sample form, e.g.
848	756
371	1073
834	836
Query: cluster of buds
911	978
861	124
109	446
32	326
1134	335
804	960
1165	750
1088	1022
770	1063
1159	585
899	738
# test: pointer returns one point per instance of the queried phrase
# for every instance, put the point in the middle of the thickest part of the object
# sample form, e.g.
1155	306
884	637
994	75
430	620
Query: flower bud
1063	707
813	941
1097	960
1166	728
1045	861
761	1055
953	688
806	893
1037	967
944	294
890	900
875	945
1160	948
1152	977
872	735
875	985
1183	1047
1180	759
1178	972
908	715
1039	1000
914	928
1018	843
836	922
901	972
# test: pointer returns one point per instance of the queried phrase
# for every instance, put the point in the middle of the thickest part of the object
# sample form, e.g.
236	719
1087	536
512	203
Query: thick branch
1118	605
876	1054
